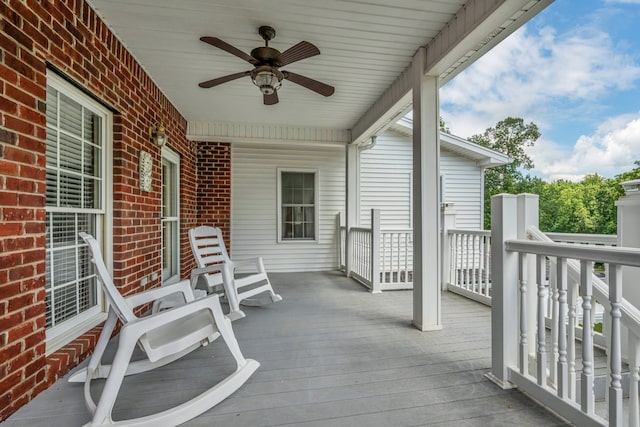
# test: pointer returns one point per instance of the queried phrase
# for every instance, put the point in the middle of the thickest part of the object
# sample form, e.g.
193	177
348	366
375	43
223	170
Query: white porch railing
379	259
468	272
549	369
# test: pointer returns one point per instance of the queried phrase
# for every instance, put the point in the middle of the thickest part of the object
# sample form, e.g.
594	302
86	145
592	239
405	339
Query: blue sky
574	70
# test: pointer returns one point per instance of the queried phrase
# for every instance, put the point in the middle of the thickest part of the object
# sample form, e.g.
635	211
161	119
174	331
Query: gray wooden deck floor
331	354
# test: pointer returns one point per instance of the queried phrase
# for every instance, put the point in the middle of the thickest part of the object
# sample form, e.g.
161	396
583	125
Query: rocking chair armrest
143	325
156	293
197	272
254	262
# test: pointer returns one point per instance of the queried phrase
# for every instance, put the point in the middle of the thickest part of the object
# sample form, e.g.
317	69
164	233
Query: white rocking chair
164	337
209	251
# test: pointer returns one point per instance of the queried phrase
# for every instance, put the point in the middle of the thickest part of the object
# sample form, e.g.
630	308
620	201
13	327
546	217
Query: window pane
70	191
64	230
307	197
92	130
309	214
87	297
64	266
70	115
309	231
70	153
52	148
92	160
65	302
309	181
52	107
91	194
287	180
52	187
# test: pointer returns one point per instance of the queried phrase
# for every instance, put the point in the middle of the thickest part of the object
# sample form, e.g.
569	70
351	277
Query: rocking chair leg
224	327
117	372
93	369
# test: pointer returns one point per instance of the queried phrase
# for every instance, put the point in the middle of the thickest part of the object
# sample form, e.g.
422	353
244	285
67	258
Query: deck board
331	354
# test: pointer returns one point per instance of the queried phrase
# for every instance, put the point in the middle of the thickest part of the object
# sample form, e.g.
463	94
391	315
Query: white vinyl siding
462	187
386	181
254	219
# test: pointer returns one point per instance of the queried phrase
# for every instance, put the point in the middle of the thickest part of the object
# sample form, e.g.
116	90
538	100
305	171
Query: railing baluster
587	402
474	281
615	352
455	260
555	320
571	339
563	368
634	380
541	351
523	364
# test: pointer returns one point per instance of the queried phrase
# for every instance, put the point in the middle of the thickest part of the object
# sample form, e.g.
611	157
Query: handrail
469	232
597	239
613	255
361	229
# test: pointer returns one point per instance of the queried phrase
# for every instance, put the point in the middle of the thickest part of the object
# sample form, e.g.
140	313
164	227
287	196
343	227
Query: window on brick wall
297	205
170	216
78	138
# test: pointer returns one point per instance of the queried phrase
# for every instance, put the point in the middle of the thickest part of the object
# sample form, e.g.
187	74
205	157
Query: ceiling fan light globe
267	79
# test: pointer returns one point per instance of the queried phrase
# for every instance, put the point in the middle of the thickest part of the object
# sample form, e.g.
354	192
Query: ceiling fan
267	61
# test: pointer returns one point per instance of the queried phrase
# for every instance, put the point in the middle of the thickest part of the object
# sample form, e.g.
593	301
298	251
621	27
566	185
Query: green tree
510	136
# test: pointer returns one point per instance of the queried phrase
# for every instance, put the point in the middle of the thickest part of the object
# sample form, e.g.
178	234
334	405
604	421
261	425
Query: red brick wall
214	187
69	36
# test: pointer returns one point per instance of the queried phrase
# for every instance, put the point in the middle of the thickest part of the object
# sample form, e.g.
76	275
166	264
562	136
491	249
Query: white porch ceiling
365	45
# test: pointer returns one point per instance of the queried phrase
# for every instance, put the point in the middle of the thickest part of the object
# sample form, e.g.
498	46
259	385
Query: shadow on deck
331	354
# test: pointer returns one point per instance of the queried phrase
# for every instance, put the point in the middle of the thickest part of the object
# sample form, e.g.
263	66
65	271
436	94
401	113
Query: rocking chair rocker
165	337
209	251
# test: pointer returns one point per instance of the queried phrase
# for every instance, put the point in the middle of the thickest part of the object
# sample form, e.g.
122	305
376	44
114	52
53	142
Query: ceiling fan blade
220	44
314	85
223	79
271	99
302	50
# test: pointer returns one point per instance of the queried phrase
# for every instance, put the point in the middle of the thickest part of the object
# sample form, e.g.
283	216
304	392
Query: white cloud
612	149
554	80
622	1
528	74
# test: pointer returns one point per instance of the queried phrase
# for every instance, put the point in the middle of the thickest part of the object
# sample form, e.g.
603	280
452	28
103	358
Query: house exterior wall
213	190
69	37
463	186
385	184
254	210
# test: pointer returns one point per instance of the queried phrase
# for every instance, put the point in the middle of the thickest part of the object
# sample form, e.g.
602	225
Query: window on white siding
75	201
298	205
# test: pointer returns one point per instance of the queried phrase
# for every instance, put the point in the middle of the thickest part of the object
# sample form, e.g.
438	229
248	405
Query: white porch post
448	222
504	291
426	208
375	251
528	207
351	203
629	236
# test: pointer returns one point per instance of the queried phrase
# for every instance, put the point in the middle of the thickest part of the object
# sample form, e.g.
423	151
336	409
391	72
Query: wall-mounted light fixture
158	135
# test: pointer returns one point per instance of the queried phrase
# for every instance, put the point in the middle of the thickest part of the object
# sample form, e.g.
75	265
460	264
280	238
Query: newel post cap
631	188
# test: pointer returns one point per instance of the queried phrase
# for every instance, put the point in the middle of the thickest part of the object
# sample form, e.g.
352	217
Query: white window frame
316	211
65	332
174	159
